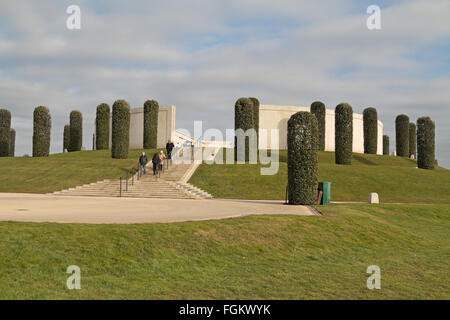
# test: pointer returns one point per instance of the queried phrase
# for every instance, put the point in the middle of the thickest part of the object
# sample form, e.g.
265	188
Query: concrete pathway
69	209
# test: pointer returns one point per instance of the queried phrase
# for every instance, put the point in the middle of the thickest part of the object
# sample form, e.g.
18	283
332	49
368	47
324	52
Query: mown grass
395	179
63	170
259	257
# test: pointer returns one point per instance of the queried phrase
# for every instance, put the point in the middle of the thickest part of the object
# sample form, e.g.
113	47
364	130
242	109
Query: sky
202	55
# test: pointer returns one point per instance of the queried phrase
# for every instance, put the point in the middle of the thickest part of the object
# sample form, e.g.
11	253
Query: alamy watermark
73	22
374	19
74	281
374	280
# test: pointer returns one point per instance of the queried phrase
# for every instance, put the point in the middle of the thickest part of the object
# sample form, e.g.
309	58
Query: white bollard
373	198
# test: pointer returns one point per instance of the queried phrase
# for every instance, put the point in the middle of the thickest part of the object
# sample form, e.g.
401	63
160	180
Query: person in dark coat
143	161
169	148
156	161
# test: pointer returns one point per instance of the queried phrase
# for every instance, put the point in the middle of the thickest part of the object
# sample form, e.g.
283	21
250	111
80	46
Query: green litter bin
325	186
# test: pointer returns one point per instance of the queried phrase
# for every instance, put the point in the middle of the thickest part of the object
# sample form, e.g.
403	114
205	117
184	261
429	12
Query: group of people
157	159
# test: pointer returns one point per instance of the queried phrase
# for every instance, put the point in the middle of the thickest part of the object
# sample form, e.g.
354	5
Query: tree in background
425	143
319	110
402	135
243	119
370	122
412	140
5	132
12	144
302	139
256	117
66	137
42	125
386	145
120	129
76	131
151	111
102	127
343	134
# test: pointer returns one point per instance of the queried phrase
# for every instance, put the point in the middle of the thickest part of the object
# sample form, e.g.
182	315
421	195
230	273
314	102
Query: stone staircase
170	185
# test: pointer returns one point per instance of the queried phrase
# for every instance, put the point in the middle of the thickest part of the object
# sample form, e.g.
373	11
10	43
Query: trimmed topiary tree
102	127
66	137
42	125
425	143
343	134
386	145
319	110
243	119
370	122
151	111
12	144
402	135
5	133
76	131
302	158
120	129
412	140
256	117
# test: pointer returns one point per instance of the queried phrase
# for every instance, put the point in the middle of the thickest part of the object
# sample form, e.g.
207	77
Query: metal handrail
136	169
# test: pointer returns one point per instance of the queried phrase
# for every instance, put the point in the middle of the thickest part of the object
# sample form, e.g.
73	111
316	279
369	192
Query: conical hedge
76	131
302	139
402	135
386	145
151	112
66	137
370	123
42	125
243	119
425	143
319	110
412	140
120	129
343	134
102	127
5	132
12	144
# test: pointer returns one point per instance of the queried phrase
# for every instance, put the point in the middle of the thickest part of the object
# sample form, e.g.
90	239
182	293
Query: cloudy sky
201	55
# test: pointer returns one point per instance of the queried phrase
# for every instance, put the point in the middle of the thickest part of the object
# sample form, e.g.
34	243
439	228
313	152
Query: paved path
69	209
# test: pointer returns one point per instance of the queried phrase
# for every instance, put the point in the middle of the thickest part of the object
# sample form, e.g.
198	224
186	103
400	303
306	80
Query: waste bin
325	186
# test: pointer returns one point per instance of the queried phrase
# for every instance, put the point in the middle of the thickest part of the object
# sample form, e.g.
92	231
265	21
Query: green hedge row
370	124
42	125
386	145
302	159
66	137
151	111
412	140
5	133
76	131
243	119
343	134
120	129
425	143
402	135
319	110
102	127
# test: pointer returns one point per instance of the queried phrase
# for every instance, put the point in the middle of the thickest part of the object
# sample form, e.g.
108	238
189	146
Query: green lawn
395	179
63	170
263	257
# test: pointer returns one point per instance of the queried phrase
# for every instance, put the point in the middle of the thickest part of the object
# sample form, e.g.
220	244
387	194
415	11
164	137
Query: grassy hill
63	170
259	257
395	179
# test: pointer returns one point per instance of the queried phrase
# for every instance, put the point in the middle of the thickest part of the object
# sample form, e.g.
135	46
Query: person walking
162	156
143	161
169	148
156	161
